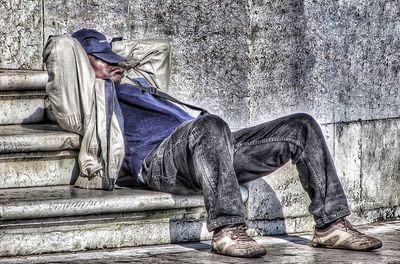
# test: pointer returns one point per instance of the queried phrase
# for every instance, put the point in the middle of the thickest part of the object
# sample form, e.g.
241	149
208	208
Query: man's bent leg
70	87
262	149
198	156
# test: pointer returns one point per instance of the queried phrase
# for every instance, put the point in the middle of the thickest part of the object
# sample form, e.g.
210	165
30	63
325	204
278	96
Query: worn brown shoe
342	235
234	241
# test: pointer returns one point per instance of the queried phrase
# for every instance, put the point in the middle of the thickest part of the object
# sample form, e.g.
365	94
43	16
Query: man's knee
64	40
57	48
304	119
211	124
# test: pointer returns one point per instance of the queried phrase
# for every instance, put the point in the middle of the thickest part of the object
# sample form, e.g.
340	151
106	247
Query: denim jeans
203	155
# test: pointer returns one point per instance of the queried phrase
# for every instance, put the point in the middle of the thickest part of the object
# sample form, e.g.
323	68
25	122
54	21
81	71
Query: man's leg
198	156
262	149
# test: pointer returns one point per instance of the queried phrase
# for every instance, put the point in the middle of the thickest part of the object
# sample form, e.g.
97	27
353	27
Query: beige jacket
77	99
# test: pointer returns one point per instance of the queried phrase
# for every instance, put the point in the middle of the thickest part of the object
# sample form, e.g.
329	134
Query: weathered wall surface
247	61
337	60
210	62
250	61
21	34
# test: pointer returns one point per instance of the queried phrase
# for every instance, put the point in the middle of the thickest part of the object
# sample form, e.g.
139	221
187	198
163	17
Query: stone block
106	232
37	155
209	51
21	107
36	137
68	201
282	226
282	63
365	153
277	196
64	219
109	17
380	172
37	169
347	156
21	34
356	46
337	61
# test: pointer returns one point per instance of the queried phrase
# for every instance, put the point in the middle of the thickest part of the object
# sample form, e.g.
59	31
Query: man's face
104	70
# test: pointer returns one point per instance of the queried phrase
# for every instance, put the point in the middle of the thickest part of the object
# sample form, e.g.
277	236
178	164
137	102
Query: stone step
36	137
63	219
37	155
22	96
22	107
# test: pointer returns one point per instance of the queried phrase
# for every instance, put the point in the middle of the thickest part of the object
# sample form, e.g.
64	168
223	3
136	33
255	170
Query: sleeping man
169	150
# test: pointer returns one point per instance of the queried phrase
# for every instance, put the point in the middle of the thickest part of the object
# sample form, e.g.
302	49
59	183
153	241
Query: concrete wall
250	61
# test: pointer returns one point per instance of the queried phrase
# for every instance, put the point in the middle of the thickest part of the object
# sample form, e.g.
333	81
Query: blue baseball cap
96	44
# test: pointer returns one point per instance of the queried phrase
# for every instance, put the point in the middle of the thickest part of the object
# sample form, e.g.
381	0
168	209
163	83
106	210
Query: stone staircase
41	213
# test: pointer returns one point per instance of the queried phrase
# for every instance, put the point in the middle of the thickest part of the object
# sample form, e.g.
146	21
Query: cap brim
109	56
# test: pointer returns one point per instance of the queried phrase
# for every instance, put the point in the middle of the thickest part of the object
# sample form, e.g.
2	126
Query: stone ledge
62	201
26	95
163	227
22	107
64	218
36	137
22	79
18	170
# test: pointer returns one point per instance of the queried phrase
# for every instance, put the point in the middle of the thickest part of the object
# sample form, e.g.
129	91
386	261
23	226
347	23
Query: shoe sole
364	250
256	255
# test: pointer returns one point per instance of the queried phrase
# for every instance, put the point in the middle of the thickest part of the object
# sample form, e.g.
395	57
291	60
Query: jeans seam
201	156
314	175
258	142
157	158
174	146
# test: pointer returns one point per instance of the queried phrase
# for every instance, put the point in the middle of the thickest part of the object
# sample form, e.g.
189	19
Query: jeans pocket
160	176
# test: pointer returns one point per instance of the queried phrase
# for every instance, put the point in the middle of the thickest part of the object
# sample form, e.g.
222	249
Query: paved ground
281	249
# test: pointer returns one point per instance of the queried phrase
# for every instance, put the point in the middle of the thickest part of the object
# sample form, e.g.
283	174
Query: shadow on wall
265	218
264	210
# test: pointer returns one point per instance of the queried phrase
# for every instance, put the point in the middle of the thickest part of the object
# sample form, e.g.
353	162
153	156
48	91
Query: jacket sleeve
149	59
79	104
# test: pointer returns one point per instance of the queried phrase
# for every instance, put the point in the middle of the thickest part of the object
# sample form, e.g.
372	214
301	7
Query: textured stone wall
250	61
21	34
210	62
246	61
337	60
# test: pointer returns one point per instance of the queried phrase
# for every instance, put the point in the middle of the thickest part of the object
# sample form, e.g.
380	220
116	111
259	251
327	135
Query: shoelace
239	233
350	227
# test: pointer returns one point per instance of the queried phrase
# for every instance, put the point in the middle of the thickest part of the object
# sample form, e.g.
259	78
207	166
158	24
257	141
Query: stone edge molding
66	201
22	79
